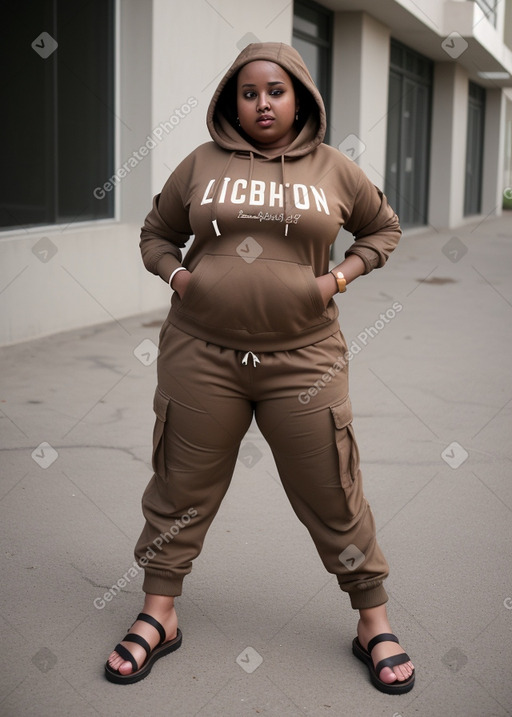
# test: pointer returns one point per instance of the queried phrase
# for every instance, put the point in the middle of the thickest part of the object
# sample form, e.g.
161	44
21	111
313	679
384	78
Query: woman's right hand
180	282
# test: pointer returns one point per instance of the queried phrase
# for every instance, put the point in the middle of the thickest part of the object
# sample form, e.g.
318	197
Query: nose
263	103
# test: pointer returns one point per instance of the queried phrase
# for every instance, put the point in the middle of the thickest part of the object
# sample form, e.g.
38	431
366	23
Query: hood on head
222	114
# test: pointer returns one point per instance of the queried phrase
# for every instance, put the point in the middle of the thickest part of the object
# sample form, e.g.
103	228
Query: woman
253	330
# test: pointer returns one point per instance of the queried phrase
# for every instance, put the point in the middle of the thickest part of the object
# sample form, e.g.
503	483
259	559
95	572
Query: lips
265	120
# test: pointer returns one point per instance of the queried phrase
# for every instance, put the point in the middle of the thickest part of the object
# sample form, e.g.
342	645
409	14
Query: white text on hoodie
259	194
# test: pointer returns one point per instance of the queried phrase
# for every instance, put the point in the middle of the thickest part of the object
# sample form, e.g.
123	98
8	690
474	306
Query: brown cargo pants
204	404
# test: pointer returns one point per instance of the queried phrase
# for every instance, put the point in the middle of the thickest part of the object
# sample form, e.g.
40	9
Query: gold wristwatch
340	280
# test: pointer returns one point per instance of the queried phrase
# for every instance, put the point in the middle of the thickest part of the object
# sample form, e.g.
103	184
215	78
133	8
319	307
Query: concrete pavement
266	629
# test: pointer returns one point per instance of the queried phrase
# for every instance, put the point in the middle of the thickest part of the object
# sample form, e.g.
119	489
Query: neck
274	150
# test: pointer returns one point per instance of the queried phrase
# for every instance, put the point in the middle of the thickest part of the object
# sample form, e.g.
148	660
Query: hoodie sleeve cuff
369	257
166	265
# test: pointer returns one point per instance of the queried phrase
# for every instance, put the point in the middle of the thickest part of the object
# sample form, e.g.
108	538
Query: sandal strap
383	637
400	659
133	637
154	623
139	640
126	655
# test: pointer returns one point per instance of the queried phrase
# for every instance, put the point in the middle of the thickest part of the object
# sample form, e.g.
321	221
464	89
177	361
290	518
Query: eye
275	93
249	95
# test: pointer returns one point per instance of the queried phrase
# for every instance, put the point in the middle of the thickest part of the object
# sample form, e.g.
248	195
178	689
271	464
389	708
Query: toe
399	672
125	668
116	662
387	675
406	671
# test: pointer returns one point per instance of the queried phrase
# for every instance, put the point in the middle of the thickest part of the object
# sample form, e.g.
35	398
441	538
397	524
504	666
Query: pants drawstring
255	359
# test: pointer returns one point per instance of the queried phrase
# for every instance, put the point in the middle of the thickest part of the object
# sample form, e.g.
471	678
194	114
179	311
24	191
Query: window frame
113	136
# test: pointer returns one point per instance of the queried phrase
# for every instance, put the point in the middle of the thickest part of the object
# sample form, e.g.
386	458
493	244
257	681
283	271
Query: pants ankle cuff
162	584
362	599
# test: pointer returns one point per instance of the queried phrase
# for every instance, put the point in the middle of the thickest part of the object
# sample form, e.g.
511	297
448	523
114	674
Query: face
266	104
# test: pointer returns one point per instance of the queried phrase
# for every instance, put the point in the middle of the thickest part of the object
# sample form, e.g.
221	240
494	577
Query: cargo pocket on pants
160	407
348	452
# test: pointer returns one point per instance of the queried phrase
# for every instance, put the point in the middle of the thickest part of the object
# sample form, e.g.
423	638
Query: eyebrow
250	84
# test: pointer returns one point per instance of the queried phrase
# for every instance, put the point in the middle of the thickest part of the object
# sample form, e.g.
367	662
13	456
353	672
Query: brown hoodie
263	225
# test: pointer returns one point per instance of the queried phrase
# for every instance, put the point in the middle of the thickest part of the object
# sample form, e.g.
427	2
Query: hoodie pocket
263	296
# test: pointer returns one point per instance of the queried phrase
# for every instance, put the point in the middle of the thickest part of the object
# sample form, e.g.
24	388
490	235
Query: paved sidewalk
266	629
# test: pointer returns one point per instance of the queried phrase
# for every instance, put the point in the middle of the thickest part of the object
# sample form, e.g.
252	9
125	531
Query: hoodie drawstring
251	168
284	194
255	359
218	184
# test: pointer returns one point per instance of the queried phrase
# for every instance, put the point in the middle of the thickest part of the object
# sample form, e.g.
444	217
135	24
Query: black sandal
163	648
399	687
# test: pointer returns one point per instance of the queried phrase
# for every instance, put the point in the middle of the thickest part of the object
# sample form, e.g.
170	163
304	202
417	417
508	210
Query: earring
296	117
238	121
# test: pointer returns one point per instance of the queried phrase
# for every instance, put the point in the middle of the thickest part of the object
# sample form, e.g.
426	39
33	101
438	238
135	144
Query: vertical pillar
448	145
360	80
360	89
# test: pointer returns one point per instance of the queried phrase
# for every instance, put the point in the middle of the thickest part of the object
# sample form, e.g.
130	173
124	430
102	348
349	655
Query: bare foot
374	621
161	607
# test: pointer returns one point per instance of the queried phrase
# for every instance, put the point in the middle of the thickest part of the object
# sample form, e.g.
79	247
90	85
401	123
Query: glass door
408	135
474	150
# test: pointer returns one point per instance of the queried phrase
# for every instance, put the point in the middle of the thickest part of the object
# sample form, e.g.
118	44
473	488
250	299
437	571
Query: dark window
474	150
312	38
58	119
408	135
489	9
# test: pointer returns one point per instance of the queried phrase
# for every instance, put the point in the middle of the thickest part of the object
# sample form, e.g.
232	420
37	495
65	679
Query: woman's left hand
327	286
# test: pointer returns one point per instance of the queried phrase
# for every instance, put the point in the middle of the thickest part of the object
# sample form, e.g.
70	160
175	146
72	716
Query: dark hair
307	104
226	104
